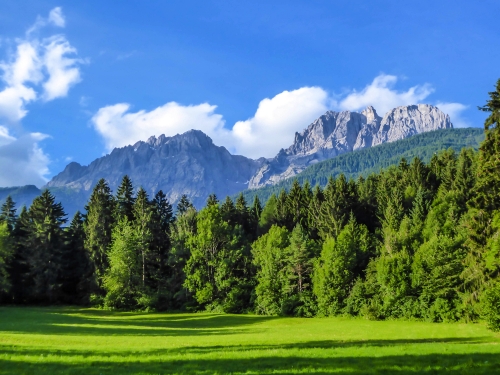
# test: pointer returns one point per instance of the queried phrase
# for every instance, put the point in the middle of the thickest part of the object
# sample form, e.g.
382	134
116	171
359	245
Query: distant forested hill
373	159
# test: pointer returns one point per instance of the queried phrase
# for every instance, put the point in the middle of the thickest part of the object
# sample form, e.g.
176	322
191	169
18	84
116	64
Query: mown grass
88	341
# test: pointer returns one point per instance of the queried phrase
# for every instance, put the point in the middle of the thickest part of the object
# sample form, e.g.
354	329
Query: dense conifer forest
371	160
414	241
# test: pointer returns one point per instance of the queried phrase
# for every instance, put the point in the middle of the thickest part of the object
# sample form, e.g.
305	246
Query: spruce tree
270	257
22	283
8	213
125	199
183	205
98	226
45	241
76	269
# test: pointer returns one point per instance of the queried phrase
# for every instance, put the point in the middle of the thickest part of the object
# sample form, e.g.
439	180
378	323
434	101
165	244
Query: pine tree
122	280
256	210
212	200
6	253
45	241
125	199
183	205
342	260
299	270
143	225
8	213
183	229
22	283
268	215
228	211
98	226
270	258
488	171
158	270
76	270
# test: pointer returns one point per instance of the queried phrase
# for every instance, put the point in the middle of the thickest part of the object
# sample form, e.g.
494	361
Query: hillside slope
366	161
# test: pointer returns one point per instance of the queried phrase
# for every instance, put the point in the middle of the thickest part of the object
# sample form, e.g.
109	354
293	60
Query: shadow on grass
74	321
474	363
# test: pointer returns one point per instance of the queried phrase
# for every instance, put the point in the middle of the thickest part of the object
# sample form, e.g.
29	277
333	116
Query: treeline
415	241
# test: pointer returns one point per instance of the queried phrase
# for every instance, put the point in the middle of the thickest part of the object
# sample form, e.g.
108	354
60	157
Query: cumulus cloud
271	128
383	97
40	68
23	161
277	119
454	110
119	127
63	71
273	125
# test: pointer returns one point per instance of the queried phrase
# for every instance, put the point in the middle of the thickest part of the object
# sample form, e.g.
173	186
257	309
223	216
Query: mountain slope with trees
372	160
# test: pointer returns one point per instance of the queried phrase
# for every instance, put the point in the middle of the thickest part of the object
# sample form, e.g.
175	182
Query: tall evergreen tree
270	258
98	227
75	275
183	205
45	241
125	199
8	213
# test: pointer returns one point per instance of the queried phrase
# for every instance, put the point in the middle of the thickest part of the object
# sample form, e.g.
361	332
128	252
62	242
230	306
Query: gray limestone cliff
183	164
335	133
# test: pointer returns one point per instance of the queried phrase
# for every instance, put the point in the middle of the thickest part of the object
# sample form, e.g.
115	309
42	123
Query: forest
415	241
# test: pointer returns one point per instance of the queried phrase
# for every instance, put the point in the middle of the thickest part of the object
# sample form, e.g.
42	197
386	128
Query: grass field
87	341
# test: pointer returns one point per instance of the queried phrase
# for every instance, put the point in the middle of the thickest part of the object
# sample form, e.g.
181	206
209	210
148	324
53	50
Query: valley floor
89	341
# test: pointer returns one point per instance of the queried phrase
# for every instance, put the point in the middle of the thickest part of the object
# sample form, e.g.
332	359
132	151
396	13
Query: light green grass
87	341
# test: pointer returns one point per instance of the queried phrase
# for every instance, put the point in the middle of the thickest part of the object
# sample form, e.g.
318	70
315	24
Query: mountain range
192	164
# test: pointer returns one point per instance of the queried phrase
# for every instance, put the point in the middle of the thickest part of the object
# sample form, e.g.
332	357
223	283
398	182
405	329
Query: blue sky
79	78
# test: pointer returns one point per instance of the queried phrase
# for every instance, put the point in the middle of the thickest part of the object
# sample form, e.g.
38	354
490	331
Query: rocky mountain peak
371	114
335	133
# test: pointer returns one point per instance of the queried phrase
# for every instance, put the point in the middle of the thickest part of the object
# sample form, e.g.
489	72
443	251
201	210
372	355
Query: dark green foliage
98	226
125	199
491	306
372	160
183	205
76	268
44	242
8	213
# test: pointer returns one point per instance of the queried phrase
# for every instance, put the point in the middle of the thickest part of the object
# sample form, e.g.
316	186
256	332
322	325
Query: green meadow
90	341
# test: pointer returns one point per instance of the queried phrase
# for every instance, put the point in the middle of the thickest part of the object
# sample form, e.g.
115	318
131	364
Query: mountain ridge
191	164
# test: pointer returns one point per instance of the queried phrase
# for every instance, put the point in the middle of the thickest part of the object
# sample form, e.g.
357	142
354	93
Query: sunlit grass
89	341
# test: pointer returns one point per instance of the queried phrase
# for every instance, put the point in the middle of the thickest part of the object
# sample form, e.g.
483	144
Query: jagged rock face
191	164
335	133
184	164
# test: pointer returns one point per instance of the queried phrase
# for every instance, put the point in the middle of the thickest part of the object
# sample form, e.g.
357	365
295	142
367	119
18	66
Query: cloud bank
38	69
22	160
274	123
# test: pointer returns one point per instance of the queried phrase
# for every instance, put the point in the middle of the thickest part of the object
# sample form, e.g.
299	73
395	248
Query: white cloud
277	119
63	71
381	95
119	127
40	68
273	125
56	17
454	110
23	161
